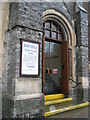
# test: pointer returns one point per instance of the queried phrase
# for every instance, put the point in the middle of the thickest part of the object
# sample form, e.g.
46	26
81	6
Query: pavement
77	113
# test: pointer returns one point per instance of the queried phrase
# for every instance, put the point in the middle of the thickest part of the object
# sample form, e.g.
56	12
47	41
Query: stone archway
69	37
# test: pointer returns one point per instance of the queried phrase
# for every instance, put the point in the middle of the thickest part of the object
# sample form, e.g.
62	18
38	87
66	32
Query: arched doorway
55	59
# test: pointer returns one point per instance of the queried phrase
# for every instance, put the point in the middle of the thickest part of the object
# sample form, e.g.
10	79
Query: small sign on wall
30	58
55	71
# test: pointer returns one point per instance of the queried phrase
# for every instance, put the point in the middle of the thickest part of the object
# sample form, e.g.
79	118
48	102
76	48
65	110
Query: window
52	31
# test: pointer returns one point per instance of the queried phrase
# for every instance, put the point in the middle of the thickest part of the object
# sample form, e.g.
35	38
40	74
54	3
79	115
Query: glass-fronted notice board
29	58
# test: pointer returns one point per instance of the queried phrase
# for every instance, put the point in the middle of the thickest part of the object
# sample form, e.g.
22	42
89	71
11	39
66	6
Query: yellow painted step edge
54	96
57	101
66	109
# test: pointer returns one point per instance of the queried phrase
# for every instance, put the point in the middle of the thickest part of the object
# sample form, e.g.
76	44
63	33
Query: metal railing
77	83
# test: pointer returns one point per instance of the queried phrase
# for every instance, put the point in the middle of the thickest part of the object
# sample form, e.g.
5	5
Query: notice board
29	58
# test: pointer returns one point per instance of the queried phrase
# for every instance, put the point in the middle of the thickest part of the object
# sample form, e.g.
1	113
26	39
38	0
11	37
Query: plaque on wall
30	58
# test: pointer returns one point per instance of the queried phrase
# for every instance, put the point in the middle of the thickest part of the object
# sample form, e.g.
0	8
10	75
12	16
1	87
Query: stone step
56	106
59	109
51	102
54	97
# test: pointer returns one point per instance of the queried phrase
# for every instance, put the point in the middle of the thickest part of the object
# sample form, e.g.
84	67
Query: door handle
47	70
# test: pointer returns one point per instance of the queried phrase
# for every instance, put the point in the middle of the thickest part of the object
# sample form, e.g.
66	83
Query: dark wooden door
65	68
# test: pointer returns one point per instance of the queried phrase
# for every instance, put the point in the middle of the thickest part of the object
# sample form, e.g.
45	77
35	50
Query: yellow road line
57	101
54	96
66	109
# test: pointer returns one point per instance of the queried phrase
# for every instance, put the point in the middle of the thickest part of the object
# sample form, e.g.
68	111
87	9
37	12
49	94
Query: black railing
78	83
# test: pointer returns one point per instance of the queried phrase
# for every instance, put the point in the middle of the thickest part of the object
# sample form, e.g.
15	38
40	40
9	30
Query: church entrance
55	60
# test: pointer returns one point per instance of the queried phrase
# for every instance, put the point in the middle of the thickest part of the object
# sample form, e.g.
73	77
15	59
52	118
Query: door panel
65	68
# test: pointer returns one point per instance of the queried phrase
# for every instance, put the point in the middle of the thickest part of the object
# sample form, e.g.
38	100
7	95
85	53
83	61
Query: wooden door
65	68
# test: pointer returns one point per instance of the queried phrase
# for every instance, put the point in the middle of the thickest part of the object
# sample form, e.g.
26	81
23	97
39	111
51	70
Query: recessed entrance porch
55	60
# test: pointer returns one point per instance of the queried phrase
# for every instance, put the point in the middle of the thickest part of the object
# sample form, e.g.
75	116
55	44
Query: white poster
29	59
